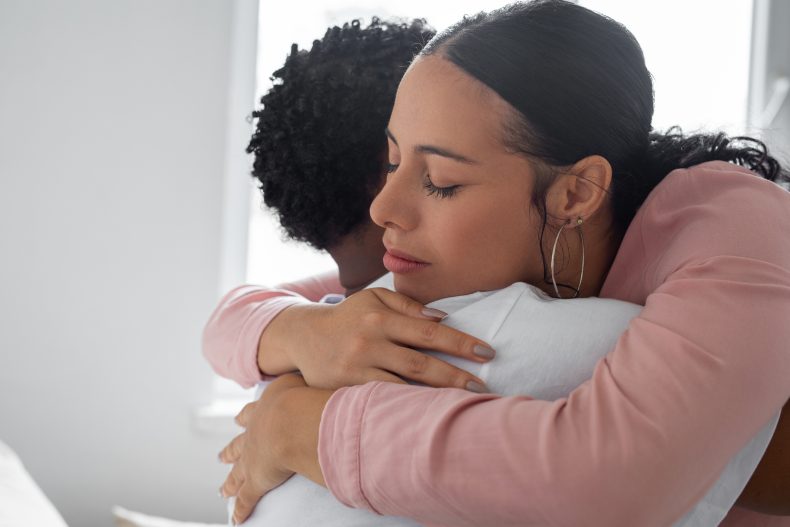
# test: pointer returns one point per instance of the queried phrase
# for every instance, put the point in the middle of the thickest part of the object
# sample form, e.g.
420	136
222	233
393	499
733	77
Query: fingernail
476	387
434	313
483	351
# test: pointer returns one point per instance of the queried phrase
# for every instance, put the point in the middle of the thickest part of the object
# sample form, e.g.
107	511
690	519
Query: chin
425	294
414	291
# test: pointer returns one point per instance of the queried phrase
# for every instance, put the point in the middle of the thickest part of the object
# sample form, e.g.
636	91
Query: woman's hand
372	335
280	438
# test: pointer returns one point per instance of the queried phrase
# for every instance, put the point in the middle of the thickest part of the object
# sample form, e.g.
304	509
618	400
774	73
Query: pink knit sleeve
702	368
231	335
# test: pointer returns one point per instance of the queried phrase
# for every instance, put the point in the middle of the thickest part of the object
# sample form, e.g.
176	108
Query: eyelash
440	192
433	190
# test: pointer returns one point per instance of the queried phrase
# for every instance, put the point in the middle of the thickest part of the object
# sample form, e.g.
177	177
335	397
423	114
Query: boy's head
319	145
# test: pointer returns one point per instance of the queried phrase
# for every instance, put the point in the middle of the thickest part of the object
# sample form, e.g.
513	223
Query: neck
359	258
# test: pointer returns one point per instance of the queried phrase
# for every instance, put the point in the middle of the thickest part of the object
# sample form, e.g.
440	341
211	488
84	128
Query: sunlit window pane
698	54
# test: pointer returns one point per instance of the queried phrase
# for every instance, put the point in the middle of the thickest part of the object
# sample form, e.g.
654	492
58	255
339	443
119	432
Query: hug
554	314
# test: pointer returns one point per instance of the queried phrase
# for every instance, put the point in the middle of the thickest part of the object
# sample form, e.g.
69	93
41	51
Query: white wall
113	132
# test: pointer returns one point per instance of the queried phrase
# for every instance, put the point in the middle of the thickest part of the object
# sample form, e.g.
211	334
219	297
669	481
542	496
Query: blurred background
126	209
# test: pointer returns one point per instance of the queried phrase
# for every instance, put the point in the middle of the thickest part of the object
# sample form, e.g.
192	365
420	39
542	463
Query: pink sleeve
231	335
704	366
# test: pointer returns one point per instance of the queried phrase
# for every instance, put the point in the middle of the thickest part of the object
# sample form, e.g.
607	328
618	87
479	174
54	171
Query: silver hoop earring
554	252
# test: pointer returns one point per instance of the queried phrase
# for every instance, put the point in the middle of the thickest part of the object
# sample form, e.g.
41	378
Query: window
698	54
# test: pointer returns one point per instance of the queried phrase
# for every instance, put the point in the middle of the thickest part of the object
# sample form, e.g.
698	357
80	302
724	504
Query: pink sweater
696	374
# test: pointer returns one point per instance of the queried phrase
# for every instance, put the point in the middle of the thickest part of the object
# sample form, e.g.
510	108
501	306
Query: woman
693	254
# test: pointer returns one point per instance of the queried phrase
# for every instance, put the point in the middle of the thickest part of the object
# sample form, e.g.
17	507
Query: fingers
429	335
244	505
232	452
424	368
281	384
244	416
406	306
233	483
246	500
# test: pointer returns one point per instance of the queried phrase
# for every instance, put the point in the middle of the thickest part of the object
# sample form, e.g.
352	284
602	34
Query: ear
580	191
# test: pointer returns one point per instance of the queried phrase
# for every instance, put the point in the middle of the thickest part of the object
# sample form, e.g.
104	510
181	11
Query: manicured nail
476	387
483	351
434	313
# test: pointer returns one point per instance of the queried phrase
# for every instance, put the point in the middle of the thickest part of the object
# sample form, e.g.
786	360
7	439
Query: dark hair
580	86
319	145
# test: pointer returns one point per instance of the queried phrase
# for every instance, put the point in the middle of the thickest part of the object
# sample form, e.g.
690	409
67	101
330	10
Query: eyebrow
436	150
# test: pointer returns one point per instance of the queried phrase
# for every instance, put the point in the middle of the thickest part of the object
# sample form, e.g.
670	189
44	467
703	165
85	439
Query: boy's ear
580	191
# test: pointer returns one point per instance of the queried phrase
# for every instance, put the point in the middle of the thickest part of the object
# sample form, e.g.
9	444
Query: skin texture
258	468
388	327
440	107
450	213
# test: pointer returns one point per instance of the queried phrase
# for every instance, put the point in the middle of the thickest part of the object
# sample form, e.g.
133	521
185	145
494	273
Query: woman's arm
695	376
256	333
232	335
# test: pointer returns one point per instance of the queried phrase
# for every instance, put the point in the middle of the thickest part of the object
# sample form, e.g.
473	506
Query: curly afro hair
319	144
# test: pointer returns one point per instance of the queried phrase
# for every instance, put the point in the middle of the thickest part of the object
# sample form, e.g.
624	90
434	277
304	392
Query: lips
399	262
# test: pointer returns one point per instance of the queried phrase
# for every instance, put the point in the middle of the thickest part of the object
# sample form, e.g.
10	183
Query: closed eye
440	192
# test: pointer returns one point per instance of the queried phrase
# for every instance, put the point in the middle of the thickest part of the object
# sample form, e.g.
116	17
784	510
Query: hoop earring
554	252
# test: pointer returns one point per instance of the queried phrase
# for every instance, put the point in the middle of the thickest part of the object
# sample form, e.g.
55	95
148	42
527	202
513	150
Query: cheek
499	236
459	234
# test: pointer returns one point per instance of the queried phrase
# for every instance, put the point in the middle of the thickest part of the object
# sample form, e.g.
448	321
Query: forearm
274	355
300	416
445	457
232	335
648	409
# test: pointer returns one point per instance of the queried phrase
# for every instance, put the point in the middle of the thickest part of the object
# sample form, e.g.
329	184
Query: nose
395	207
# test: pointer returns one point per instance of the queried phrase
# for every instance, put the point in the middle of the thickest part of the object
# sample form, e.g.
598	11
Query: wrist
277	341
299	419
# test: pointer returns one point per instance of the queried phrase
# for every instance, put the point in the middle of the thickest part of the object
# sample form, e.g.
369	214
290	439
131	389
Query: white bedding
21	501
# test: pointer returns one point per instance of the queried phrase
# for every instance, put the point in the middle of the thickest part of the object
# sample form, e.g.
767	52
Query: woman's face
456	205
